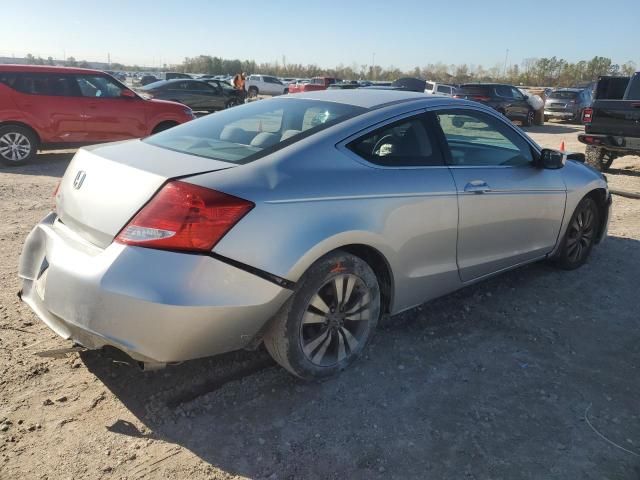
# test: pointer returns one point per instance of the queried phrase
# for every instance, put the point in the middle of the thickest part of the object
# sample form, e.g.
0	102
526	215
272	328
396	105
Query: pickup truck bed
612	127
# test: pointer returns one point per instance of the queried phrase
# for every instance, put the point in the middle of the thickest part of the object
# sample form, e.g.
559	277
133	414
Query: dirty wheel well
163	126
600	197
380	267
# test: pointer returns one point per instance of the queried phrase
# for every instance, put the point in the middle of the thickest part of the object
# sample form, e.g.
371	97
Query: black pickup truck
612	124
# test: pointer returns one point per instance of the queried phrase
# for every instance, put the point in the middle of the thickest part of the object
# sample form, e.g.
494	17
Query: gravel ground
507	379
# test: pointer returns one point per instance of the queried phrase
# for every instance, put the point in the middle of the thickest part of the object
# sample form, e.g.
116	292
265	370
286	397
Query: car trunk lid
105	185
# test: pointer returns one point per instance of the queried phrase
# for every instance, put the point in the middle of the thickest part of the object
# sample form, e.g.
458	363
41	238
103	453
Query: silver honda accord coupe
298	222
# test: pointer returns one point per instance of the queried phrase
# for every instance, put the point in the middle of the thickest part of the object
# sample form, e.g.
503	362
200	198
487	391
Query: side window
51	84
98	86
443	89
33	84
9	79
517	94
428	86
503	91
407	143
199	86
477	139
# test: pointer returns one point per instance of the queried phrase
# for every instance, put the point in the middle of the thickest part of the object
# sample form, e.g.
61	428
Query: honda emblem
79	180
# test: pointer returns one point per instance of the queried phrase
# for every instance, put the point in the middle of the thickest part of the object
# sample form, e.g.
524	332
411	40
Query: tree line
532	71
550	72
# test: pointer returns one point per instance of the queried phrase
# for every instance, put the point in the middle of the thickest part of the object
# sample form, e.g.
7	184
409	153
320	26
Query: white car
433	88
264	85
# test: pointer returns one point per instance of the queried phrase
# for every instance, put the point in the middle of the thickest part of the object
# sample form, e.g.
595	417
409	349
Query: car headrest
265	140
289	134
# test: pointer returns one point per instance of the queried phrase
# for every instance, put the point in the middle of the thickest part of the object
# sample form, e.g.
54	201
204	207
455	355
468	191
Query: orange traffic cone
562	146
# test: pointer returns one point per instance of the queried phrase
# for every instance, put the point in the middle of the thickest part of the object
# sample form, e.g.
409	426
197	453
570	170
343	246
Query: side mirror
552	159
126	93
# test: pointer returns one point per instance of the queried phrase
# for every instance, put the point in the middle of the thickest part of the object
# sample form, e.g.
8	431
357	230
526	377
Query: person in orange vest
239	84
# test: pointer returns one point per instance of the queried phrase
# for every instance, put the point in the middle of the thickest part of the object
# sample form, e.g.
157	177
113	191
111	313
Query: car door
207	96
510	211
53	104
407	165
108	115
520	103
178	91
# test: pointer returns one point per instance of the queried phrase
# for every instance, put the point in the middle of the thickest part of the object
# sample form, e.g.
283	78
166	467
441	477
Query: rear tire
18	145
328	320
253	92
598	158
580	236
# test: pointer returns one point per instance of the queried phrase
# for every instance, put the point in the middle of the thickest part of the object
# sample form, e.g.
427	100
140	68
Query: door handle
477	186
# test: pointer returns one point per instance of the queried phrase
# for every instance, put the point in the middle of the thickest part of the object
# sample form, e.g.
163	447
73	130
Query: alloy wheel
14	146
581	234
336	320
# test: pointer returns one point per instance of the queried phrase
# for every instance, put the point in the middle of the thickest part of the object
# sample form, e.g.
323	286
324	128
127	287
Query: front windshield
245	133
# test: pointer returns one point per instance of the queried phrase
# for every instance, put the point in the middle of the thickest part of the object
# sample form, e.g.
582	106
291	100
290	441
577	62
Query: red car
56	107
317	83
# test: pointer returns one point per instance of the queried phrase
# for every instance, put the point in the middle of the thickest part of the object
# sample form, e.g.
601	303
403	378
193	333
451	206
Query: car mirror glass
552	159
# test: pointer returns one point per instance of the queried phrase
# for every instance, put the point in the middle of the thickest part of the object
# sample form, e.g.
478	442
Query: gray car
298	222
567	103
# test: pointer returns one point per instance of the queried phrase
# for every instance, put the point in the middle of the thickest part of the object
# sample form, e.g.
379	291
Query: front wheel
18	145
328	320
253	92
580	235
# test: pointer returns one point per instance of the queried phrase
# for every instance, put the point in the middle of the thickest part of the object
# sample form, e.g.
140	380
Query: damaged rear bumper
156	306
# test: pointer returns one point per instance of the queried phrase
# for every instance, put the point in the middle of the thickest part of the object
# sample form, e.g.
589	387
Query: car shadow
448	385
624	172
554	128
48	164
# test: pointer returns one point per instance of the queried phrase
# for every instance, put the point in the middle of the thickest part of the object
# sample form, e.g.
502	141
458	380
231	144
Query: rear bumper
620	144
559	114
156	306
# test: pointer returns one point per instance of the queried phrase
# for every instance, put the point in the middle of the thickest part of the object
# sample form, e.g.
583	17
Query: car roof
365	97
45	69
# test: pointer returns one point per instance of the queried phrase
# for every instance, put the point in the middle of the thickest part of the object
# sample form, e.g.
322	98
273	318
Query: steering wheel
385	139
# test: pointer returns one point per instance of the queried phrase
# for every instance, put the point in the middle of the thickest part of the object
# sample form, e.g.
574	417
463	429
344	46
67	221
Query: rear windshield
245	133
564	95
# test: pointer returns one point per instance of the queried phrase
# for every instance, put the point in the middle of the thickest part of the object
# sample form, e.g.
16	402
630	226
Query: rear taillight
590	140
182	216
587	115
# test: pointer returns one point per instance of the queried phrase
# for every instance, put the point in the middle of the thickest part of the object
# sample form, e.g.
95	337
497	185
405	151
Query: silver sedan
298	222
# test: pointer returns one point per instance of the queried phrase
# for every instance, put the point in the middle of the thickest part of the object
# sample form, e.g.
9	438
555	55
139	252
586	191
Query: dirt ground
502	380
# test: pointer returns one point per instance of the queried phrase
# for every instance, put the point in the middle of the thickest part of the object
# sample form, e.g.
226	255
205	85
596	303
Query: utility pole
109	59
506	56
373	65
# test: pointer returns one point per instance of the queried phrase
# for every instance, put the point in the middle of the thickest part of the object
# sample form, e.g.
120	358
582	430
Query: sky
400	33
